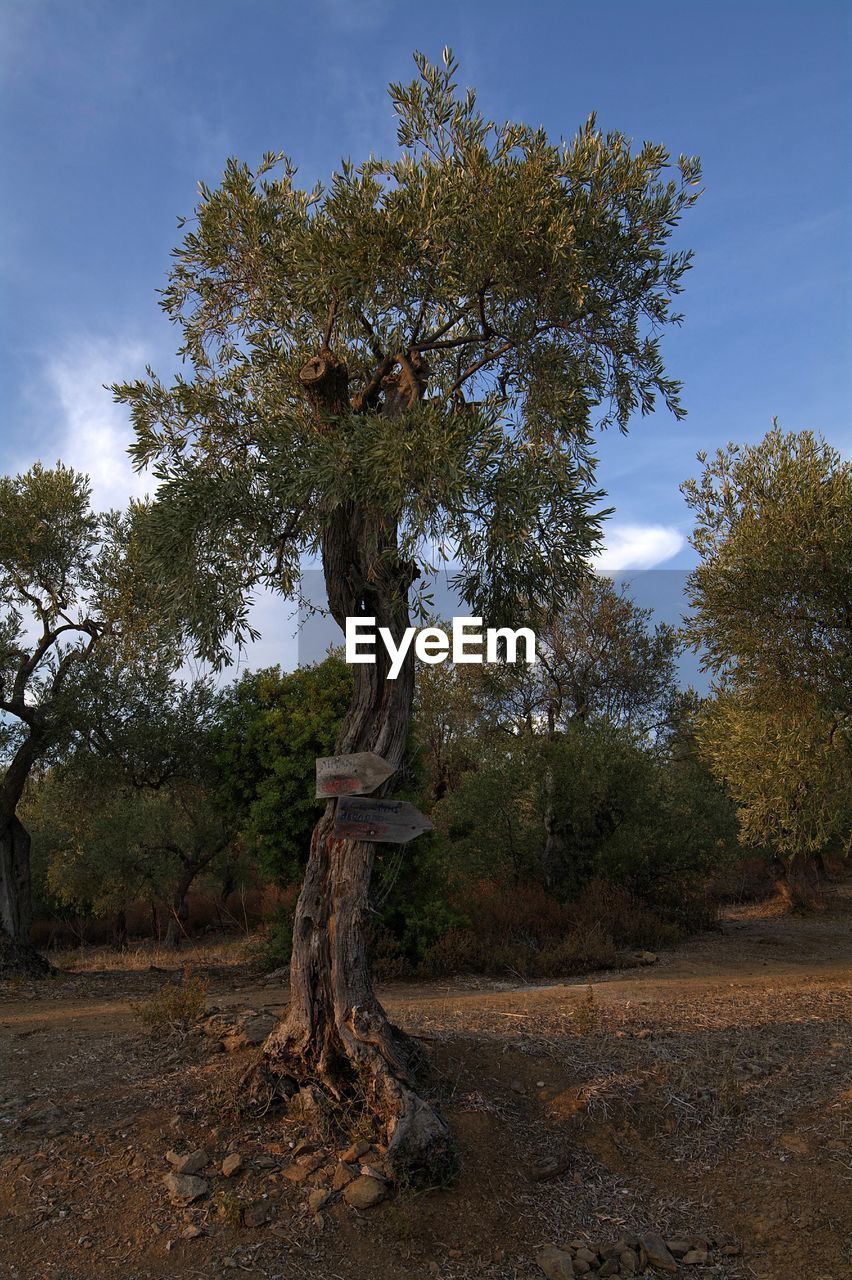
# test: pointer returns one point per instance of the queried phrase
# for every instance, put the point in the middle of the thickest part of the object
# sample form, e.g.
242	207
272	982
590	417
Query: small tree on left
57	590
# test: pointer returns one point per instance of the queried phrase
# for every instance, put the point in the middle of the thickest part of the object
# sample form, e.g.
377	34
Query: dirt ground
707	1095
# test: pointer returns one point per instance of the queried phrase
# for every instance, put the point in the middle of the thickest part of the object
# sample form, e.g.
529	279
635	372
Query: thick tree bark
336	1034
179	909
16	952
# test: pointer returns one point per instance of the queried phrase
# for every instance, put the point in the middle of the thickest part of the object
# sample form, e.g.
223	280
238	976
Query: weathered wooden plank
354	775
385	821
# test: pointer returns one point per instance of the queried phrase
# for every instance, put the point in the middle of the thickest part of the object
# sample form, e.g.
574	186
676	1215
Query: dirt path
706	1095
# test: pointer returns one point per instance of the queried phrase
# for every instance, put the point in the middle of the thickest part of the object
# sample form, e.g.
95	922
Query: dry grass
173	1011
219	949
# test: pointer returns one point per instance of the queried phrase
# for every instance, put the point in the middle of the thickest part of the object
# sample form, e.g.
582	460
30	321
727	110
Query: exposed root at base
419	1144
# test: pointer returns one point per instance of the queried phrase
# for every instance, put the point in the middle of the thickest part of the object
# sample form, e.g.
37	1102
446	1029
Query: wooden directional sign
385	821
355	775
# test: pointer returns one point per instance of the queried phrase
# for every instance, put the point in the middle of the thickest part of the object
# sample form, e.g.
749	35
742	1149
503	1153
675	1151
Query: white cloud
93	433
637	546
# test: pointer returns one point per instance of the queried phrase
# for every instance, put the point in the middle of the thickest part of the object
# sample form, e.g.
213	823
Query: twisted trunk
336	1033
17	955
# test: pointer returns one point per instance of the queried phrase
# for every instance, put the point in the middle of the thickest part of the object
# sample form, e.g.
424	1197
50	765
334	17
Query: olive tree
403	366
771	609
52	617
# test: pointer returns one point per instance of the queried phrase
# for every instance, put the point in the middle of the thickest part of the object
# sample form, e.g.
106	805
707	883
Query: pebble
232	1165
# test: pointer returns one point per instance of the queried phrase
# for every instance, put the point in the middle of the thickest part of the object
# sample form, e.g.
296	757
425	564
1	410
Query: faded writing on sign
352	775
385	821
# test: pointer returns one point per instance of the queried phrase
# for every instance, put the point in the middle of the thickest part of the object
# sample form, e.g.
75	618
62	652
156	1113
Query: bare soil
707	1094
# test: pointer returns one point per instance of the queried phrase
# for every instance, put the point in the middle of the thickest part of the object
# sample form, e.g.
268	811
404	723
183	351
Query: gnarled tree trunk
16	952
335	1033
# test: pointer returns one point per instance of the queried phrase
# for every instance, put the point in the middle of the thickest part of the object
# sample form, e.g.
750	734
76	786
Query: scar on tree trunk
17	954
336	1040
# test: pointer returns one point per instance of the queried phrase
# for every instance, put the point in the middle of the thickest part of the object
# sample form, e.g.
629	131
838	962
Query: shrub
175	1008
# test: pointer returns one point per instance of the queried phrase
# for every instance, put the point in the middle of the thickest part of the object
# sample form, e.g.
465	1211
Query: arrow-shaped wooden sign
355	775
385	821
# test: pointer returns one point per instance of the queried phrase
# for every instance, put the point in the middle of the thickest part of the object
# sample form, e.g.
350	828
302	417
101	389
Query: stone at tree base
185	1188
318	1199
679	1246
354	1152
611	1267
363	1192
301	1170
695	1257
582	1267
555	1263
343	1175
654	1248
232	1165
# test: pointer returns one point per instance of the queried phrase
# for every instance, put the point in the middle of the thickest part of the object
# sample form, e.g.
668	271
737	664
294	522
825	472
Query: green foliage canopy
515	289
771	609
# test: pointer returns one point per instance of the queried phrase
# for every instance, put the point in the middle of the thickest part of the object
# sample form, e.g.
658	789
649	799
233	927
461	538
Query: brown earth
706	1095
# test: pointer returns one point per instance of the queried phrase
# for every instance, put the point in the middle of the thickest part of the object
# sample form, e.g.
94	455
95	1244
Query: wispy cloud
92	433
638	546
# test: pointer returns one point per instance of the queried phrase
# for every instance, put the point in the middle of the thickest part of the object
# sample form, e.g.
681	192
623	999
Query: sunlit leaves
528	281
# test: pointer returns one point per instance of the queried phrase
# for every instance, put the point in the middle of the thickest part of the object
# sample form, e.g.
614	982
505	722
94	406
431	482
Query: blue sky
111	112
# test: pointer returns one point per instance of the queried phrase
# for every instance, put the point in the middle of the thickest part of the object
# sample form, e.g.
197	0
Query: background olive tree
60	589
772	610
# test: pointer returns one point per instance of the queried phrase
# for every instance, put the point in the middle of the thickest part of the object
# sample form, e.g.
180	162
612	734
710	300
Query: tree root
323	1088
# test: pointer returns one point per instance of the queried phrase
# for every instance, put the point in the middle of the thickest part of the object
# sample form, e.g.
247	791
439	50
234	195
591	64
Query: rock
646	957
611	1267
629	1262
258	1028
678	1247
192	1232
613	1250
555	1263
695	1258
354	1152
581	1267
547	1167
185	1188
300	1170
363	1192
257	1214
655	1250
318	1199
517	1086
232	1165
731	1250
194	1162
343	1175
303	1147
586	1255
